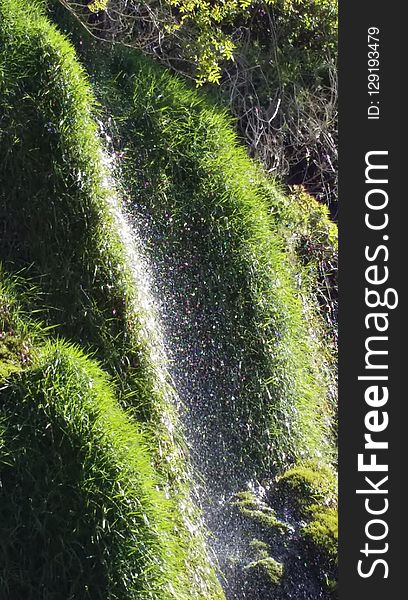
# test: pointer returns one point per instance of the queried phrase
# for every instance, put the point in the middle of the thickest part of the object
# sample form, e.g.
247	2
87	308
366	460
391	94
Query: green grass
17	330
183	163
60	233
58	224
83	512
53	207
66	276
88	521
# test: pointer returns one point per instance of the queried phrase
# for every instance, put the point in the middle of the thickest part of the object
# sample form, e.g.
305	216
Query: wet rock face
291	537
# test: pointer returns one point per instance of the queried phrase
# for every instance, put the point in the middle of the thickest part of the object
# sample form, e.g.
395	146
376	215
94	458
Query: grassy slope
186	151
264	253
184	164
58	228
182	160
89	521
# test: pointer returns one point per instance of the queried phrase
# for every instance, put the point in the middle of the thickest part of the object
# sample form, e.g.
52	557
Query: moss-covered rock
304	486
321	539
295	521
258	512
267	570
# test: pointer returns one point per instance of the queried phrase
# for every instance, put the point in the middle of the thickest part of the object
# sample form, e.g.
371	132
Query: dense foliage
93	459
60	235
205	34
275	61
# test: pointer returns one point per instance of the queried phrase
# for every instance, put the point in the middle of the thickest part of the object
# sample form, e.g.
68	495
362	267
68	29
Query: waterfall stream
188	344
181	338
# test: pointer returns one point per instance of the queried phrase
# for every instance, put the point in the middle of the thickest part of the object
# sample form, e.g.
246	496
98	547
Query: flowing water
191	341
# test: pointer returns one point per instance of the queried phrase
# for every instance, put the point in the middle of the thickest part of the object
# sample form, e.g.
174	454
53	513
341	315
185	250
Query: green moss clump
322	533
12	352
310	229
306	485
258	512
320	537
265	517
307	495
245	499
309	490
268	570
260	548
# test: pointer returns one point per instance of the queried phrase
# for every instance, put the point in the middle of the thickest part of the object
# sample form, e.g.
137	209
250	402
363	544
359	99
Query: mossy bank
81	386
59	235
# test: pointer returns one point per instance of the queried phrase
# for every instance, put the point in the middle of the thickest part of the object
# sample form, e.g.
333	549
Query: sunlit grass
106	432
82	510
60	231
183	163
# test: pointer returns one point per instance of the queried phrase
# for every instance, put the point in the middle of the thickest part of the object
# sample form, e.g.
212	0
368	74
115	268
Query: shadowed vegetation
294	533
81	515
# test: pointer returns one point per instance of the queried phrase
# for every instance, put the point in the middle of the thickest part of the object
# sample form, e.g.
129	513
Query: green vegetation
182	162
258	511
201	35
310	490
81	514
298	518
264	573
92	456
271	62
296	523
313	236
17	330
305	485
282	90
200	176
310	230
322	534
268	569
60	233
